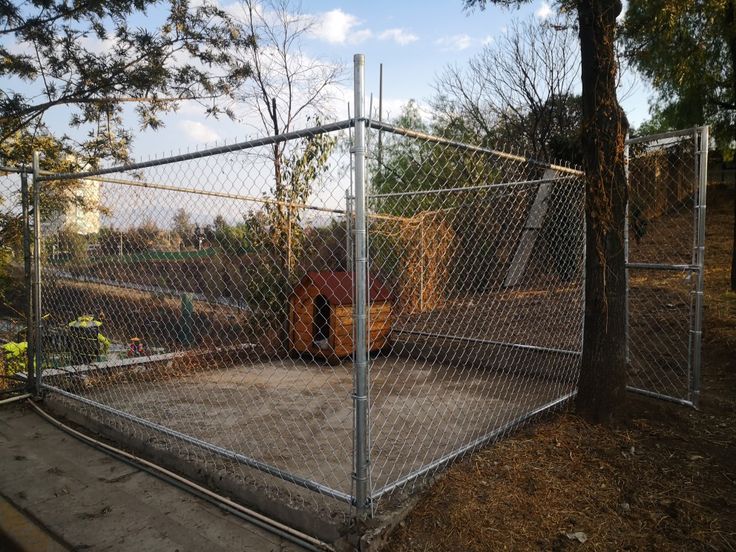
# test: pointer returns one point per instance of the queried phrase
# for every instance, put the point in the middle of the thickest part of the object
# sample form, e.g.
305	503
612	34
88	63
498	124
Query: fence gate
665	244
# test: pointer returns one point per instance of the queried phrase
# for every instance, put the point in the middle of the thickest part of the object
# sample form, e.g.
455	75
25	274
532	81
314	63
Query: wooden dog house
321	315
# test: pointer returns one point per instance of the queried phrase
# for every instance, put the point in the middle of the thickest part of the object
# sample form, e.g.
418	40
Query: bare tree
287	88
519	90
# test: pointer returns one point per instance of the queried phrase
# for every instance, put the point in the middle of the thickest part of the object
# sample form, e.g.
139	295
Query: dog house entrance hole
321	329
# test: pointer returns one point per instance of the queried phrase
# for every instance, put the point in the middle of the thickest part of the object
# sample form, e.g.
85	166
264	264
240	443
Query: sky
414	41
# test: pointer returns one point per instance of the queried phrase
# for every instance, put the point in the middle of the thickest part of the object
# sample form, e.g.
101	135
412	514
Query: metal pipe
226	195
16	398
17	170
693	259
656	395
211	193
421	264
266	141
661	266
220	451
700	256
348	231
360	318
27	278
38	323
380	116
489	342
660	136
481	441
469	188
379	125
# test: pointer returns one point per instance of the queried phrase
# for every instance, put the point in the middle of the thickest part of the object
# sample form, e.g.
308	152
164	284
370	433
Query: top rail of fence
17	170
303	133
665	135
240	146
387	127
462	189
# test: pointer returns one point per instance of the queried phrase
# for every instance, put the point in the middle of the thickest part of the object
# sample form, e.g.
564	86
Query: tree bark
602	382
731	25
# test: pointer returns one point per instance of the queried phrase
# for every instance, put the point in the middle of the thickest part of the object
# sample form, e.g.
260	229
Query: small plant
14	357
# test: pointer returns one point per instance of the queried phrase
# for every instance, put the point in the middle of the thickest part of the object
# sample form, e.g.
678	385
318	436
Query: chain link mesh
665	194
482	254
170	301
14	289
202	305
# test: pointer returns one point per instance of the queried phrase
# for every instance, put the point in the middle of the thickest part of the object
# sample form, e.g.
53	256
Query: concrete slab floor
67	495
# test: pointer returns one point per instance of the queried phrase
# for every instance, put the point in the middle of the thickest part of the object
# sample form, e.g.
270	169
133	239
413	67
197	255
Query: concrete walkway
57	493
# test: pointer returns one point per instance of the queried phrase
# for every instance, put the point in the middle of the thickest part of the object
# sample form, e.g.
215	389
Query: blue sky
414	40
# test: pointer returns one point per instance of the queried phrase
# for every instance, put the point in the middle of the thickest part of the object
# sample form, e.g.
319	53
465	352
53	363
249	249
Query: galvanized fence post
38	333
697	329
360	259
27	278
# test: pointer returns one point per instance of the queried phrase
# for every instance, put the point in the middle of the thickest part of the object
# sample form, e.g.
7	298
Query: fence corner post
37	322
27	278
700	263
360	335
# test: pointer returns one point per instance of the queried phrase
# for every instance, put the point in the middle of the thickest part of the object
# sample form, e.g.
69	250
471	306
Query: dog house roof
337	287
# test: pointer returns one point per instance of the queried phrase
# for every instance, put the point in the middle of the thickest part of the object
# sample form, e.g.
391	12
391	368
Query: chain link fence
15	279
170	291
482	252
317	322
665	259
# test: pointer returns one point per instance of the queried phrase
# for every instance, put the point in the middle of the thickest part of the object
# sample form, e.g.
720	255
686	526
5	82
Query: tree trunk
731	25
733	246
602	382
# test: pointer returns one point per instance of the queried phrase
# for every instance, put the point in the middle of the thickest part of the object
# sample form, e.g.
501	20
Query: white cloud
339	27
197	131
455	42
97	46
544	11
486	40
398	35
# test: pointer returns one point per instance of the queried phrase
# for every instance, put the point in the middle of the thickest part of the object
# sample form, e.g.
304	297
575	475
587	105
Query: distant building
82	214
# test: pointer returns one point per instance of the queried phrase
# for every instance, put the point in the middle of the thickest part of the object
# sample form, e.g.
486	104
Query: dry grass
663	478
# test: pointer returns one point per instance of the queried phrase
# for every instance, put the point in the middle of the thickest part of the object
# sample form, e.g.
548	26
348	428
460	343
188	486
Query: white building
82	214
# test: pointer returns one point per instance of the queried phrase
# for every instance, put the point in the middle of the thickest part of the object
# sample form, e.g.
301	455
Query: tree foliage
183	226
688	51
94	57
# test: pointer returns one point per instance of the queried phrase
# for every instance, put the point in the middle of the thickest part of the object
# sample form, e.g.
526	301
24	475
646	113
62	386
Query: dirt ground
297	415
663	477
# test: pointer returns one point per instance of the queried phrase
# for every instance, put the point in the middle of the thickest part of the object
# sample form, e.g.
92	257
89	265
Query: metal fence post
700	263
360	366
27	278
38	335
